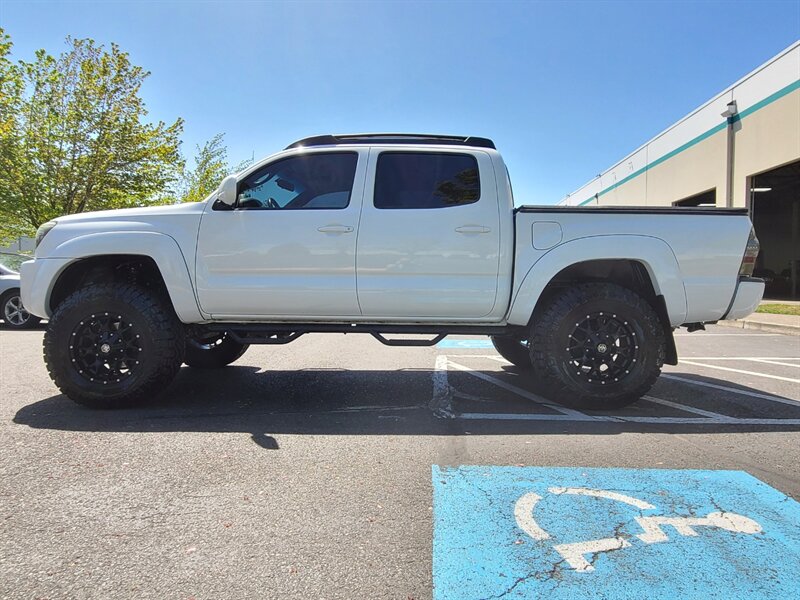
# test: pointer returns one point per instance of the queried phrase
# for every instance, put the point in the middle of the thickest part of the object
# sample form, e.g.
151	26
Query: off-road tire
27	323
514	350
213	353
563	379
159	339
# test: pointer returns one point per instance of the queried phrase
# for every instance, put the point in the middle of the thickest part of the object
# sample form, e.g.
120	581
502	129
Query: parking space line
725	388
775	362
753	373
576	415
755	358
443	394
442	398
649	420
729	334
529	417
691	409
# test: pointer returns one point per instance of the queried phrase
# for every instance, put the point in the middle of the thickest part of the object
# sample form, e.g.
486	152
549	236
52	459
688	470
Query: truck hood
144	214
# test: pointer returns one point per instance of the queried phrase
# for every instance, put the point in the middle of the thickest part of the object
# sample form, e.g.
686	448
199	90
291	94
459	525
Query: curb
760	326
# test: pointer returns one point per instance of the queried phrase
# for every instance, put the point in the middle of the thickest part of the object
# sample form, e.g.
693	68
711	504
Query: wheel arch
120	257
644	264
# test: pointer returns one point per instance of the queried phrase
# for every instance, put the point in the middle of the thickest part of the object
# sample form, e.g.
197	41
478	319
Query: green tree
74	136
210	168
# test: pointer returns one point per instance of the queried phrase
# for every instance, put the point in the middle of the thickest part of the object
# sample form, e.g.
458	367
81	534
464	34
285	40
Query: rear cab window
426	180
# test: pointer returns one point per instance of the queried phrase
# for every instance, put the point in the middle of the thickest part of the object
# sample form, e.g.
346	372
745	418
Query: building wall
691	156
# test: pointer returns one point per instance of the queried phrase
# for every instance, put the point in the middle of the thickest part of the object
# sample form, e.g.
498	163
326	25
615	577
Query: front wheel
597	346
212	351
113	345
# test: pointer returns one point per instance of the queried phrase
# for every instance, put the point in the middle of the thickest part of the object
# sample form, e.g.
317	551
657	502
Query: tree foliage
74	136
210	168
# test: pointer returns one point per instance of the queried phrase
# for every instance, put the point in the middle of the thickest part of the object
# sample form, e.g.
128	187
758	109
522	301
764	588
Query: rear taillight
750	255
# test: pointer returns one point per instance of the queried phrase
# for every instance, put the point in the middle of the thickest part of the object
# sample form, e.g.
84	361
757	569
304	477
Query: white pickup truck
383	234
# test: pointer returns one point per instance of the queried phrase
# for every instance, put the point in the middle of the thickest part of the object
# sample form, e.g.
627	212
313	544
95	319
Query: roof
392	138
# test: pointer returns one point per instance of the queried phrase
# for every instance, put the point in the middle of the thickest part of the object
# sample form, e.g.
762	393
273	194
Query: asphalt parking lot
305	471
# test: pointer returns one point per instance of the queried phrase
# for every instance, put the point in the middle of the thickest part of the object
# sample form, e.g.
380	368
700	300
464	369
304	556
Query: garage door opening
708	198
775	209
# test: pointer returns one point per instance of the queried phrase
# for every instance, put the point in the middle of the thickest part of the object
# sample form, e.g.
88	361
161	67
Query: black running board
285	333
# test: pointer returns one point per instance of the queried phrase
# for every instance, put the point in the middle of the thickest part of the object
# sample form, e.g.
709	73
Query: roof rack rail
392	138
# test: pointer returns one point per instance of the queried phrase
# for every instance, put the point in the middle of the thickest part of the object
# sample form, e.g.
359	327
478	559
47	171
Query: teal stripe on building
716	129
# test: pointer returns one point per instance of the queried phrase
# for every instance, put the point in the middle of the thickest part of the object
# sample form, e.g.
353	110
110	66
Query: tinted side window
426	180
321	181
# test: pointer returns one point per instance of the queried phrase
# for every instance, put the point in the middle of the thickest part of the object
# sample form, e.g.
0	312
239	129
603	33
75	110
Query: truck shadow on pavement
410	402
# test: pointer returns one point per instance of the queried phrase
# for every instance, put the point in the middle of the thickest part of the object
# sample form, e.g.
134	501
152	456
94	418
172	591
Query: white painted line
756	358
442	399
691	409
576	415
528	417
607	494
726	421
775	362
724	388
618	420
753	373
496	357
728	334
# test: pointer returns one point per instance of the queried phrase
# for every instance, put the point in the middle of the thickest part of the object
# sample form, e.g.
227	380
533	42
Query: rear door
429	239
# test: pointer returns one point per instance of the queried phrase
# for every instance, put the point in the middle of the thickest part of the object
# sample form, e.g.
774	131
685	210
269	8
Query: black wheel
113	346
514	350
597	346
14	314
212	351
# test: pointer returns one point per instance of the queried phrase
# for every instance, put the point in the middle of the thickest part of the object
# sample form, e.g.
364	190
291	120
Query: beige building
740	149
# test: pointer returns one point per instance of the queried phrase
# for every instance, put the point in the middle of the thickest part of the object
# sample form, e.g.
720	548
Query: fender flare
160	247
653	253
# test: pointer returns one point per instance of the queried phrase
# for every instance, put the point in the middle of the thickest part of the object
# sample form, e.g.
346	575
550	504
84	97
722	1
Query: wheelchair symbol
652	527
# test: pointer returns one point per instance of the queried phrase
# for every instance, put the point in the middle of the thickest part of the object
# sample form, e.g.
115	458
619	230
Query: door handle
473	229
335	229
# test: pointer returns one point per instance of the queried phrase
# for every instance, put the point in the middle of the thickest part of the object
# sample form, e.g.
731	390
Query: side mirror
226	193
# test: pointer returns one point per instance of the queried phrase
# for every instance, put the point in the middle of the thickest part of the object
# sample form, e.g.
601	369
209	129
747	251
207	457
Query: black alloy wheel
602	348
113	345
597	346
514	349
105	348
212	350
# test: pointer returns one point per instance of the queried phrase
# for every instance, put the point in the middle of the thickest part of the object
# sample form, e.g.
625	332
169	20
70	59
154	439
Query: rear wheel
113	346
515	350
14	313
598	346
212	351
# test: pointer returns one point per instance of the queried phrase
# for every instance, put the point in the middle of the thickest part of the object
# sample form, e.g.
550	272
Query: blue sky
564	88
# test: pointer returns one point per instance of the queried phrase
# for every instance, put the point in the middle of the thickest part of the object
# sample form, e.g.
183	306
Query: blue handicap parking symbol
465	344
529	532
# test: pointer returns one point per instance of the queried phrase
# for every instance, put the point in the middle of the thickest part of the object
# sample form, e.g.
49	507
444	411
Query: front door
288	248
429	239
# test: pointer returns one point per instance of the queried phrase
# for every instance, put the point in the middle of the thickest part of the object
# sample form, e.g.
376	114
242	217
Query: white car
12	311
383	234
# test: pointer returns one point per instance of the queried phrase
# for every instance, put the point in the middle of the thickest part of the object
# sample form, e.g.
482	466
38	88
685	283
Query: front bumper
37	277
745	301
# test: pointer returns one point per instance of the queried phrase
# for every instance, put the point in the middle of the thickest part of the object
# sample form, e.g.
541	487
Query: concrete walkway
788	324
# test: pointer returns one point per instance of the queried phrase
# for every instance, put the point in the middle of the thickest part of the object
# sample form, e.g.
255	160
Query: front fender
162	248
653	253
